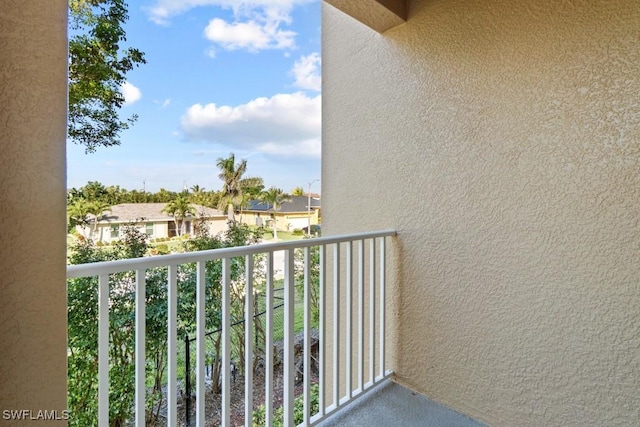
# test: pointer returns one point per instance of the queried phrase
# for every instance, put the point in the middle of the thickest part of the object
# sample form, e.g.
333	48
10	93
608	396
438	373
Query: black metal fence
278	324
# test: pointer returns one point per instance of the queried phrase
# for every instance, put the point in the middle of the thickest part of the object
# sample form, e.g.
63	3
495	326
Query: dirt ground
213	404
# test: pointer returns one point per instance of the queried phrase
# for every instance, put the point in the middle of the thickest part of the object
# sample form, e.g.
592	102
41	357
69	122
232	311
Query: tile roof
297	204
151	212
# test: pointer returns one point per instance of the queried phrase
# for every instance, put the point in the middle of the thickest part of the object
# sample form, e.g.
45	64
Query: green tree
97	208
78	213
198	195
164	196
82	301
93	191
297	191
314	280
234	185
97	70
179	209
83	320
274	197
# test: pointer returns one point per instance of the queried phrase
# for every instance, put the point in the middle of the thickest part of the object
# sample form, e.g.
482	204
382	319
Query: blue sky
222	76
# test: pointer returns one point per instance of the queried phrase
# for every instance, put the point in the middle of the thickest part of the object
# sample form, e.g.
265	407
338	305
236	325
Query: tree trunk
230	214
275	228
217	364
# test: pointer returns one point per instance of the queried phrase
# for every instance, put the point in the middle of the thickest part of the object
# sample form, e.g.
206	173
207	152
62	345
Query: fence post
187	379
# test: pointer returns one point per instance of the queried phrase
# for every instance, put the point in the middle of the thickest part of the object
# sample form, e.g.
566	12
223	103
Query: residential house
499	138
294	214
154	221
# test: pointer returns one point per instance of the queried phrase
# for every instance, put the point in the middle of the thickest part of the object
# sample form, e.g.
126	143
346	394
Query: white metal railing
343	267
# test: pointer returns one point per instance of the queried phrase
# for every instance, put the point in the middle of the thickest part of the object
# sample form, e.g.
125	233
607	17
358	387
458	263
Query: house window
115	231
149	229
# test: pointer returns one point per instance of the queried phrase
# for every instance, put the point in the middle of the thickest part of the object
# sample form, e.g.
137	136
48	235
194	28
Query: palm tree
178	209
198	195
297	191
78	214
97	209
234	186
274	197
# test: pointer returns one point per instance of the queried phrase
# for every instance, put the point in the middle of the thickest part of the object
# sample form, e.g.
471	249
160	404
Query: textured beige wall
33	365
502	140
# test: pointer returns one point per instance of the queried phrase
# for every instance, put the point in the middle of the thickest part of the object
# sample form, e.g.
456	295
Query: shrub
298	410
297	232
162	249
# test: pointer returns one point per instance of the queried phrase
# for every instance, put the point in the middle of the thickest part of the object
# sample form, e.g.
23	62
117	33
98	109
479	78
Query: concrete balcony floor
393	405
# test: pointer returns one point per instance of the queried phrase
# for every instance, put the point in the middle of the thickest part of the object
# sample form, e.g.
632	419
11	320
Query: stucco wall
502	140
33	339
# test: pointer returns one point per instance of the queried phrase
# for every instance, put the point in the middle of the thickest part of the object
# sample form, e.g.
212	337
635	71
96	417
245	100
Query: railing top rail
119	266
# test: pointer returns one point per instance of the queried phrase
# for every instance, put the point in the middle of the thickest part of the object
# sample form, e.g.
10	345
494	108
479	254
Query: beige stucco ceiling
380	15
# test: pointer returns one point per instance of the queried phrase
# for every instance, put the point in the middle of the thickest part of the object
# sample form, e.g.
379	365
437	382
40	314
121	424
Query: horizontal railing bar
119	266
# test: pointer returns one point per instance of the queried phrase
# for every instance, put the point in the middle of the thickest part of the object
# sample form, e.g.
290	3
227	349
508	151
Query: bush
297	232
162	249
298	410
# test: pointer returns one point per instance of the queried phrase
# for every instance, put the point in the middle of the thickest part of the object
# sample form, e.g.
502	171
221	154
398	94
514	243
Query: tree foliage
113	195
97	70
274	197
82	302
236	189
179	209
83	320
314	280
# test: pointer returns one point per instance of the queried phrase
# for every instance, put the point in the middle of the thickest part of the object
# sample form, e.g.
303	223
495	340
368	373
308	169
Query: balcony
350	292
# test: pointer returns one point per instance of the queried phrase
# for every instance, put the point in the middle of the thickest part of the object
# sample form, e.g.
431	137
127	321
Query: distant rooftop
127	212
297	204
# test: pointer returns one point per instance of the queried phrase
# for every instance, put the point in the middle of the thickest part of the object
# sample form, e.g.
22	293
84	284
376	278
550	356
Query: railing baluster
321	326
360	314
349	302
336	325
248	342
140	376
103	350
307	335
200	342
289	368
172	338
372	311
343	345
226	341
268	345
383	260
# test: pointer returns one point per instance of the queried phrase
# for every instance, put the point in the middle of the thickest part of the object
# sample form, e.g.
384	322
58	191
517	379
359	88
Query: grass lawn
282	236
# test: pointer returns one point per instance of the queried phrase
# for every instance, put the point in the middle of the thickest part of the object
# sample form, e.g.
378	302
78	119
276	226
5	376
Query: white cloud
163	104
131	93
283	124
256	24
306	71
163	10
252	35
